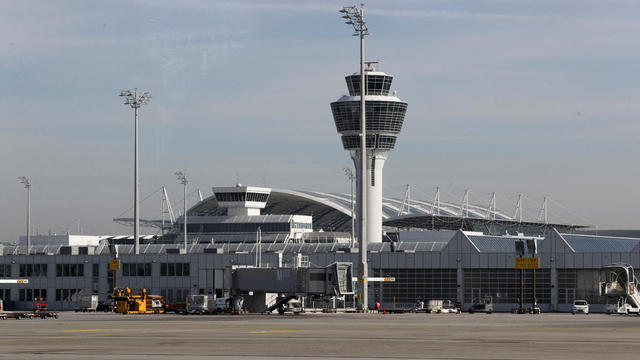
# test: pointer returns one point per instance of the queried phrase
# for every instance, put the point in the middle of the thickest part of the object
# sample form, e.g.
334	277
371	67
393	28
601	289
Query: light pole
26	181
136	101
351	177
355	17
182	177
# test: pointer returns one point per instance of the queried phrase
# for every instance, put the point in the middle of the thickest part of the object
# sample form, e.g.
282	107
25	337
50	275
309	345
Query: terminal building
433	249
452	257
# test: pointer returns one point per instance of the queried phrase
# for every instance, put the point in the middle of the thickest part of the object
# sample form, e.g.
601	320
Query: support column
460	281
554	285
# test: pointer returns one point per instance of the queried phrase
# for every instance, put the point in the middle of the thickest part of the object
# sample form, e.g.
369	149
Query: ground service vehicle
88	303
434	306
128	301
619	284
450	307
482	305
580	306
40	310
197	304
223	305
293	306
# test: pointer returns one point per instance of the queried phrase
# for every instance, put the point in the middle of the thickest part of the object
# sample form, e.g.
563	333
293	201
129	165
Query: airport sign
526	263
114	265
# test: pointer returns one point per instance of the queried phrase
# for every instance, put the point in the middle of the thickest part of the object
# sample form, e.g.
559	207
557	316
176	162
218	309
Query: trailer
40	310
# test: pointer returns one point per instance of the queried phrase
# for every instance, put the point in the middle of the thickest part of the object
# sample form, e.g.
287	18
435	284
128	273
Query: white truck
434	306
88	303
210	304
197	304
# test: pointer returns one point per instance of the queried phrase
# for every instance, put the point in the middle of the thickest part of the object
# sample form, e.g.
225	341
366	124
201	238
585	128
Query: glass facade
69	270
68	294
238	227
579	284
381	115
29	270
374	84
411	284
5	270
31	294
242	196
136	269
175	269
298	225
504	285
374	141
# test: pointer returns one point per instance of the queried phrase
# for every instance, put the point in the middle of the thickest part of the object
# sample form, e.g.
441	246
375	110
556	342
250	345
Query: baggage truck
198	304
88	303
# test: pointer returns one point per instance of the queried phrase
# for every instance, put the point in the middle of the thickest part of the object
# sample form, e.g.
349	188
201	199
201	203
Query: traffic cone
384	311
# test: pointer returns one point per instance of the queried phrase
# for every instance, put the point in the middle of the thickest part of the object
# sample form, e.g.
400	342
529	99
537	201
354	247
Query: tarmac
323	336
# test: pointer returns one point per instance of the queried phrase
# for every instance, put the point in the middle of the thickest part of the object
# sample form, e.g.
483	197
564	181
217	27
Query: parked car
580	306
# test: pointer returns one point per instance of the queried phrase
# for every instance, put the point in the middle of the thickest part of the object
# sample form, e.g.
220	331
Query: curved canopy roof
332	212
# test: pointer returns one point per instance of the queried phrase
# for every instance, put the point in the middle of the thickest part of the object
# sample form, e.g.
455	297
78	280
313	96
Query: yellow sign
22	281
114	265
526	263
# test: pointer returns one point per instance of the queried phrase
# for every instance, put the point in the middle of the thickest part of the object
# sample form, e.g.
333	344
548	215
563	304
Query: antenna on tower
369	67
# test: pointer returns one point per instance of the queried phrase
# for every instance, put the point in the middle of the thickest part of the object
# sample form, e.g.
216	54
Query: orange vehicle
128	301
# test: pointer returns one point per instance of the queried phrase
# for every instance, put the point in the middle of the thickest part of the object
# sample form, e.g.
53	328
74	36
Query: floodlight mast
182	177
26	181
136	101
355	17
349	173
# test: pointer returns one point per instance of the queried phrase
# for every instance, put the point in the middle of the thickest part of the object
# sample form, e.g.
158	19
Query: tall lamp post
355	17
136	100
182	177
26	181
351	177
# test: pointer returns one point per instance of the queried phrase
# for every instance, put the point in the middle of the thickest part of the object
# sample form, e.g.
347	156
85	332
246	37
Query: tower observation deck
385	115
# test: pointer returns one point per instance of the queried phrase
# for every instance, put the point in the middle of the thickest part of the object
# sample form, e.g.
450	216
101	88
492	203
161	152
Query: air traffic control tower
385	115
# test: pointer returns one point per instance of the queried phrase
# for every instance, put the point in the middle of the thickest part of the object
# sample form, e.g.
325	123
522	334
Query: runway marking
273	331
88	330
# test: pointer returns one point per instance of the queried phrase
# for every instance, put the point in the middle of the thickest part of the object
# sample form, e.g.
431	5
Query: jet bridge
286	284
333	280
619	284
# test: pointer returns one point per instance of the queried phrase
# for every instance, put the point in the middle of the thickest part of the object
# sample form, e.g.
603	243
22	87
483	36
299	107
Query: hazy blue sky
535	97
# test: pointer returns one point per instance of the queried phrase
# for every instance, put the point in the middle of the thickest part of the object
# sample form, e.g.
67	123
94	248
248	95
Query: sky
536	97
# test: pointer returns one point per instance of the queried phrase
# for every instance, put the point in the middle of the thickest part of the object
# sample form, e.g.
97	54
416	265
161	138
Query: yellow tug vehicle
128	301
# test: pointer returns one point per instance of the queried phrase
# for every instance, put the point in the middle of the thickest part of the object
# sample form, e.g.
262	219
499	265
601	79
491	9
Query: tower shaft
373	190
